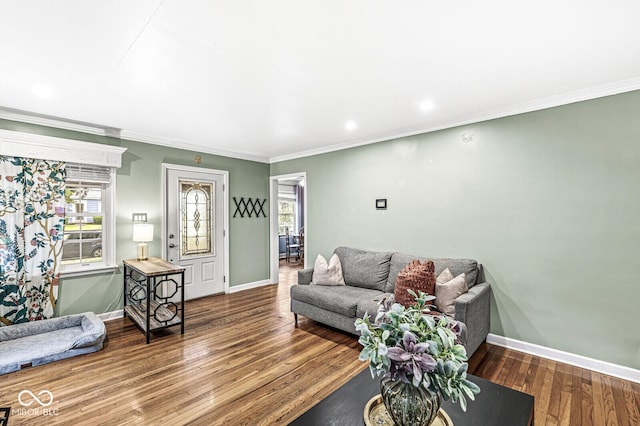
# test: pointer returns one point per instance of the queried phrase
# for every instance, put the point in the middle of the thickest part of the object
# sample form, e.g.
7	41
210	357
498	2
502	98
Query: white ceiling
270	80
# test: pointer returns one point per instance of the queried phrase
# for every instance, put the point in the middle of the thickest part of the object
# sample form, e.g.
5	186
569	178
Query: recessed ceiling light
42	91
350	125
426	106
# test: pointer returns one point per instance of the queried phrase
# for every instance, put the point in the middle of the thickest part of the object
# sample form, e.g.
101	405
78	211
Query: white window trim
108	237
28	145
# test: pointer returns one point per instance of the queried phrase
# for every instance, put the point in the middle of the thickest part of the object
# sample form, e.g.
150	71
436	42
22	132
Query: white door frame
225	197
273	223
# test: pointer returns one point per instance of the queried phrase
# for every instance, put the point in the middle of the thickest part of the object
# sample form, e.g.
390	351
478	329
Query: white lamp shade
142	232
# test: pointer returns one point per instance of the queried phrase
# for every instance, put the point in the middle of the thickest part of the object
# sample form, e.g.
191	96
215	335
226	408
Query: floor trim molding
603	367
108	316
247	286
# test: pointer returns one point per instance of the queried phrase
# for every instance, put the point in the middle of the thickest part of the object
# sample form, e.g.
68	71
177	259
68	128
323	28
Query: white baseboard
603	367
108	316
247	286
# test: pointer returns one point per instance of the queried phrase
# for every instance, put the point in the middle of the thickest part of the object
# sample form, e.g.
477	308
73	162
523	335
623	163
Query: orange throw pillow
415	276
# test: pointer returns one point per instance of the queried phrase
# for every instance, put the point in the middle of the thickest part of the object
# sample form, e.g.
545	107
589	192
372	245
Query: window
88	165
286	216
88	218
196	199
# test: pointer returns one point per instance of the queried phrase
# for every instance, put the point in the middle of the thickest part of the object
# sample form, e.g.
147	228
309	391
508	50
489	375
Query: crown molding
50	121
491	114
595	92
94	129
169	143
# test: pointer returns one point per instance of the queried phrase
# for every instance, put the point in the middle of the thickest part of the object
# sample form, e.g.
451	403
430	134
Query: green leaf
443	337
364	354
373	371
463	403
474	388
448	368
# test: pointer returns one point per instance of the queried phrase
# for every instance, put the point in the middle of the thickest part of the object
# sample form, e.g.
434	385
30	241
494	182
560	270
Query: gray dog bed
39	342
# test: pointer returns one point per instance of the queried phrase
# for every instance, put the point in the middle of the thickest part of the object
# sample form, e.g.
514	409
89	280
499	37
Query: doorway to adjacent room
288	225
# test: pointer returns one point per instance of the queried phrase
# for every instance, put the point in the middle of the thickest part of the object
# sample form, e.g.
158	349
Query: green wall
139	189
548	201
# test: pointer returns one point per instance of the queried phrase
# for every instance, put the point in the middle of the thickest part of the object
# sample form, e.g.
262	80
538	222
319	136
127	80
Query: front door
195	228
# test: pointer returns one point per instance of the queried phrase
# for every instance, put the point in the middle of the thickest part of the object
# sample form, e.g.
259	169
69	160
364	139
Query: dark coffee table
494	405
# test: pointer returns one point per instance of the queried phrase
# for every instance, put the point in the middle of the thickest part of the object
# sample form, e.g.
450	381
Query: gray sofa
39	342
370	276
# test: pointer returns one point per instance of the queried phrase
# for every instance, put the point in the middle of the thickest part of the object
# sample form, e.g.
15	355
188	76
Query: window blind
88	173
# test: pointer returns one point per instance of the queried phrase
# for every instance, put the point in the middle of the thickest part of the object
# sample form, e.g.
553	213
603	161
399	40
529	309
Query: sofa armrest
304	276
473	308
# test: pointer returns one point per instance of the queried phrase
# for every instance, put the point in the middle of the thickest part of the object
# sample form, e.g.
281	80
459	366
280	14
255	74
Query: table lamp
142	234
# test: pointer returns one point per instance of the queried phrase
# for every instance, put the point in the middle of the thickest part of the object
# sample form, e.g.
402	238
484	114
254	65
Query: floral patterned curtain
31	232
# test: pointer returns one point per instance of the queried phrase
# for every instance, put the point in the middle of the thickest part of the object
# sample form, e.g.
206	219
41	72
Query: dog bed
39	342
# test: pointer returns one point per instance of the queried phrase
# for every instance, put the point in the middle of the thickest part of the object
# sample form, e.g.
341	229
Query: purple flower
455	327
410	358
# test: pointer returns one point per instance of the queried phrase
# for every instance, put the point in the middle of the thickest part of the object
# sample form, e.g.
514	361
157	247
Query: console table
154	294
494	405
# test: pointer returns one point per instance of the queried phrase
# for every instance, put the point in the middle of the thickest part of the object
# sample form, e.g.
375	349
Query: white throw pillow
327	274
448	289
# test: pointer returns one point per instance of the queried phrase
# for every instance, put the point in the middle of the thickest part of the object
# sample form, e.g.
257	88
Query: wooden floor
241	361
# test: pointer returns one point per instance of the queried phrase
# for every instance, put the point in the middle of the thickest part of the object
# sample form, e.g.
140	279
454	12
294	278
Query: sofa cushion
415	276
369	306
457	266
366	269
342	300
327	273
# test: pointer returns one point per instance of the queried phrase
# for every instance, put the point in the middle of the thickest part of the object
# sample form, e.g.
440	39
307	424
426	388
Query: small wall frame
381	204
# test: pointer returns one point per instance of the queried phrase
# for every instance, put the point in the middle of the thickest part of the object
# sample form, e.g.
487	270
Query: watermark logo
33	405
47	398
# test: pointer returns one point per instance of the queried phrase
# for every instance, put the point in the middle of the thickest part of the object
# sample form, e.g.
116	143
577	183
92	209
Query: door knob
172	245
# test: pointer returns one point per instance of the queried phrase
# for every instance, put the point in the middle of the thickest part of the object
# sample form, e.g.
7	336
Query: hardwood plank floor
241	361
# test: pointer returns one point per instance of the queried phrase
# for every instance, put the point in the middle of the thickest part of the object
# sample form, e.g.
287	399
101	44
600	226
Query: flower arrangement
409	345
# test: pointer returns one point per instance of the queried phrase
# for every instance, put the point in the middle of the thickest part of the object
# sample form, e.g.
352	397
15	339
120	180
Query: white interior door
195	229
